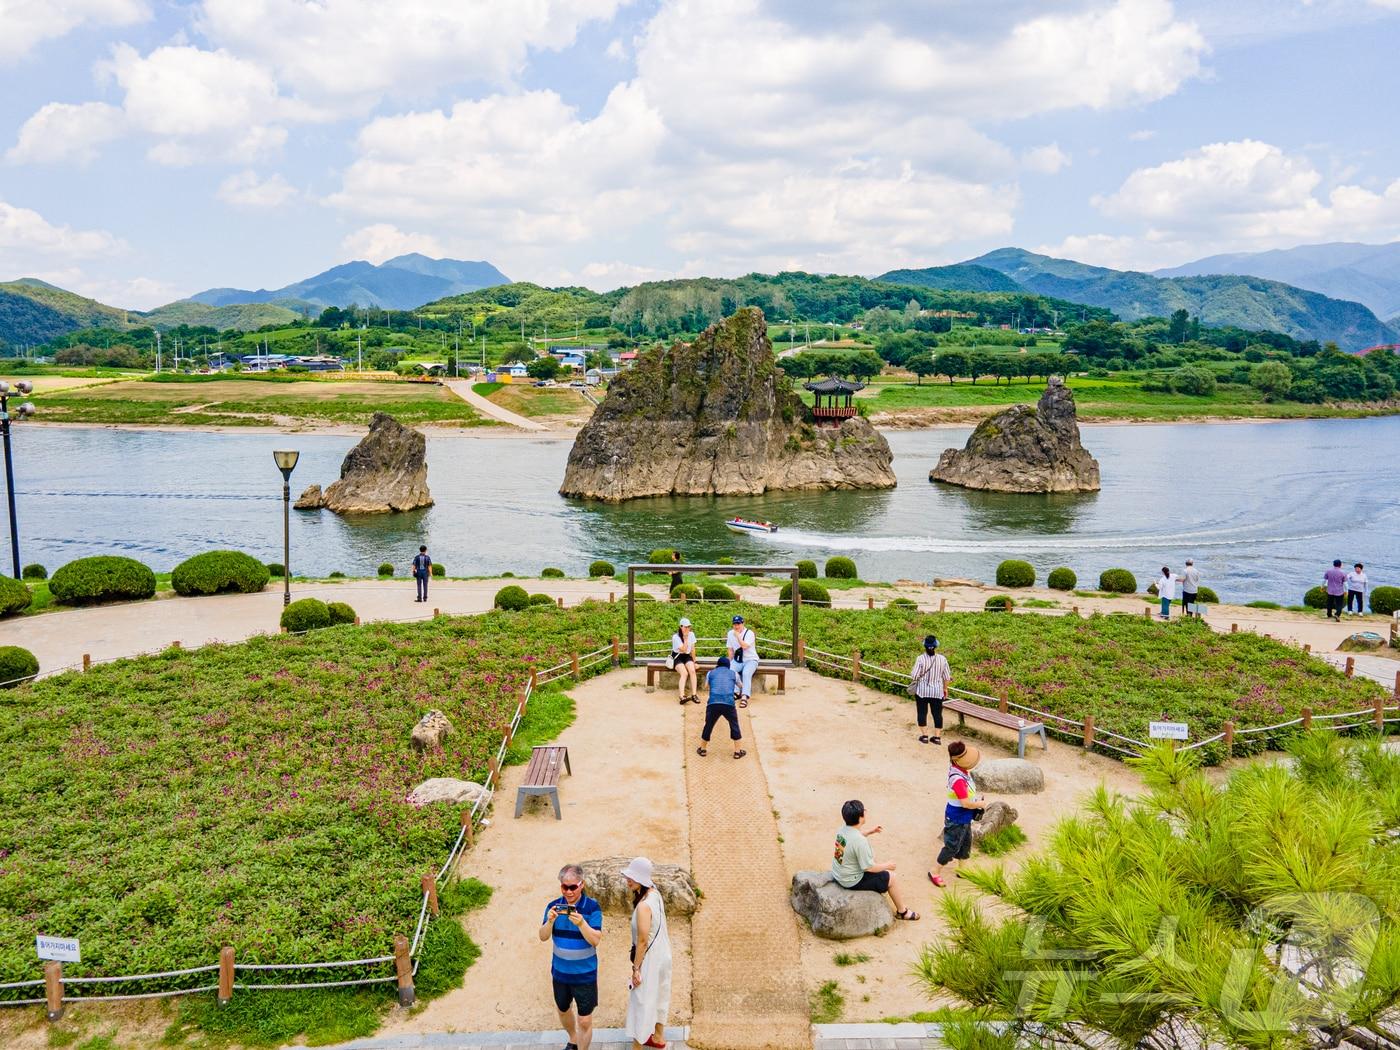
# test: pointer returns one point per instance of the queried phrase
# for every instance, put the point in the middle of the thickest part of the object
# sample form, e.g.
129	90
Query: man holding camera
575	923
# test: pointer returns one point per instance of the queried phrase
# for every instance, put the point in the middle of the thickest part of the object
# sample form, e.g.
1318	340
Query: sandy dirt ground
828	741
626	797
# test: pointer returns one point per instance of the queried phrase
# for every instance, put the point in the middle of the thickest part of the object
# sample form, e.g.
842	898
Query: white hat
639	871
685	621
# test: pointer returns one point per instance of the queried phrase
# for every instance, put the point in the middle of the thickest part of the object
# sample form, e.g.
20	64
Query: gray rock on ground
996	816
446	789
387	471
430	730
603	882
835	912
1361	642
1009	776
311	498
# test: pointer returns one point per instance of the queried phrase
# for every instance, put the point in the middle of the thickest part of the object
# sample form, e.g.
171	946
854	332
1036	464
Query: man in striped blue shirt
575	923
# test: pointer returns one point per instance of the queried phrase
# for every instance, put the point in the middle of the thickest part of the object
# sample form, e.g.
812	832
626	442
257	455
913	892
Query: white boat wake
953	545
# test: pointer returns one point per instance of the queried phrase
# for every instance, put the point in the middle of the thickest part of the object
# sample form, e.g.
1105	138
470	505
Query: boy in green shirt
853	863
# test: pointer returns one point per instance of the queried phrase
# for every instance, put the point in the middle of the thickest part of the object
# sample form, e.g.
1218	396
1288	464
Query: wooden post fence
533	682
225	974
87	661
1307	718
800	659
494	768
1234	628
612	597
1397	685
1074	609
855	666
616	652
1088	731
1351	666
357	621
1307	647
1380	714
437	613
430	888
870	601
574	665
403	969
467	824
1147	612
942	604
53	990
1005	704
1229	739
175	644
561	601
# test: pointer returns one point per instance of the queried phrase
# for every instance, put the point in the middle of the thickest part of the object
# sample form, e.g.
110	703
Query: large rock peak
387	471
716	417
1024	449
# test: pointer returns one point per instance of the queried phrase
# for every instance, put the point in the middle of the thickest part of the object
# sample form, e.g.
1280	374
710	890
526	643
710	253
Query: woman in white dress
683	657
650	984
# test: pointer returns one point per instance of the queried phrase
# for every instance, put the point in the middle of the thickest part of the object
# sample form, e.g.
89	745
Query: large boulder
1024	449
1009	776
1361	642
835	912
387	471
311	498
604	882
717	417
446	789
430	731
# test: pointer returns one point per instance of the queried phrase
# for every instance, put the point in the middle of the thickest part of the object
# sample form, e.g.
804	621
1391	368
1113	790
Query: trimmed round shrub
725	559
1061	579
507	575
999	603
1117	581
104	578
840	568
340	613
386	569
689	591
812	592
16	663
718	592
512	598
1259	603
601	568
1205	595
1316	597
1015	573
901	603
551	573
35	572
438	569
336	575
14	596
277	569
219	572
1385	600
306	614
806	569
661	554
643	596
541	599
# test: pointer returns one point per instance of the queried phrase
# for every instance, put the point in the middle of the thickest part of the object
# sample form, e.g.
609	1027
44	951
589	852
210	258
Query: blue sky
150	149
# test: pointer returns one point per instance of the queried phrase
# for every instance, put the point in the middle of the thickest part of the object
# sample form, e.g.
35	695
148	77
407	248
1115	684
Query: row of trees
951	363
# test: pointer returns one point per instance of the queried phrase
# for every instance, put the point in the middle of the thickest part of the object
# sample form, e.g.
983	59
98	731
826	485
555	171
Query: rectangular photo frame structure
789	571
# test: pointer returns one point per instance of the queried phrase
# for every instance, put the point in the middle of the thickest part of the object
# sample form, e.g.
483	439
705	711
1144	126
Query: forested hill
963	277
33	311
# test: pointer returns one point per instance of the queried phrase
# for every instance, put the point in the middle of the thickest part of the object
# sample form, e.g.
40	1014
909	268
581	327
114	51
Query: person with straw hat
649	999
963	807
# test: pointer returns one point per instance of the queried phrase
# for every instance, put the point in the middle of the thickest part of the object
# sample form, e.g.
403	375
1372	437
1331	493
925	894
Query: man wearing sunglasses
575	922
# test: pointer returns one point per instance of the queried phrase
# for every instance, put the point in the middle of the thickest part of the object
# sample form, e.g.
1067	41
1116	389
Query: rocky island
717	417
1024	449
387	471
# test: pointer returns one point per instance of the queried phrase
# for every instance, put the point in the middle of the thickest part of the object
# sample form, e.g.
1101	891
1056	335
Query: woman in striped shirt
930	677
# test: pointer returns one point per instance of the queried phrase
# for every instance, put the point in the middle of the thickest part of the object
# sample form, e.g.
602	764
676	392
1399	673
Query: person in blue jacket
721	683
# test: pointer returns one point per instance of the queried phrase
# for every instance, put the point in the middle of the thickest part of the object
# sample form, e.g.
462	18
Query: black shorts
584	995
683	658
875	881
957	843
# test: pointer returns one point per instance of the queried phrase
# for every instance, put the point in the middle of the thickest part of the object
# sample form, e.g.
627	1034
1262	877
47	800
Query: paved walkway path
463	389
746	960
1377	668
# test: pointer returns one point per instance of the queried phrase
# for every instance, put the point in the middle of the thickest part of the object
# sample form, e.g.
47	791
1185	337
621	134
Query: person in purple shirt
1336	581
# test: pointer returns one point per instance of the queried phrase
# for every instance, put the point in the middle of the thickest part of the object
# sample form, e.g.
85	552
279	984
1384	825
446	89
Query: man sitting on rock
853	865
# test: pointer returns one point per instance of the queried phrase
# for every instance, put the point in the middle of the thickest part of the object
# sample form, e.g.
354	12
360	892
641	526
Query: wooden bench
966	709
766	669
542	776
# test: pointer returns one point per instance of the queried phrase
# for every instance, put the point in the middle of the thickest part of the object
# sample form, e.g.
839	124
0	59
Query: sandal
649	1042
937	880
936	740
740	753
907	915
701	752
743	701
923	739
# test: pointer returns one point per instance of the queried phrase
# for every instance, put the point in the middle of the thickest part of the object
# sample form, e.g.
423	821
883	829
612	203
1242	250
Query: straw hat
963	755
639	871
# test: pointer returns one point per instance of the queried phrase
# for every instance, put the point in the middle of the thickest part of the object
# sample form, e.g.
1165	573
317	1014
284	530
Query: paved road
463	389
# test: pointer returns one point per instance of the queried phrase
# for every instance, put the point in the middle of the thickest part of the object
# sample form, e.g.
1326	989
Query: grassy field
536	401
242	402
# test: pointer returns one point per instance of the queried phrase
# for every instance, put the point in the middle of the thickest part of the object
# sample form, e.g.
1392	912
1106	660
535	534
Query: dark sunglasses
569	887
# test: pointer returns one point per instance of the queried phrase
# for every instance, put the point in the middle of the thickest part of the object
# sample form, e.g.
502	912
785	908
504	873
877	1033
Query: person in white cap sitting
741	646
683	660
650	984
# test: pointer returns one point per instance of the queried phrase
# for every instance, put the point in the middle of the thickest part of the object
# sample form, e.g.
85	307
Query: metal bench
766	668
966	709
542	776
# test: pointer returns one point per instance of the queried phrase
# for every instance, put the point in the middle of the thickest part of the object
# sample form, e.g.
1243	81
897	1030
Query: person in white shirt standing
929	681
743	655
1356	588
1190	586
1166	591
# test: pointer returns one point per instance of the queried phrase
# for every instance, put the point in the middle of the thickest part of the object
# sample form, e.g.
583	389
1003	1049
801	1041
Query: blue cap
723	661
738	619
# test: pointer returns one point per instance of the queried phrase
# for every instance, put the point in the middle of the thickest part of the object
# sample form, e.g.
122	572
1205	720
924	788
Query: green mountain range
243	317
33	311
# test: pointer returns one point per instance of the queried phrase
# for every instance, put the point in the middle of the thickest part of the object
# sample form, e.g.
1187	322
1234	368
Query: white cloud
1045	160
1142	135
30	245
383	241
616	50
245	189
26	23
61	132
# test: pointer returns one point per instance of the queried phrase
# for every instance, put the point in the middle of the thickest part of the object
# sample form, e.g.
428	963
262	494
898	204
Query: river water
1263	508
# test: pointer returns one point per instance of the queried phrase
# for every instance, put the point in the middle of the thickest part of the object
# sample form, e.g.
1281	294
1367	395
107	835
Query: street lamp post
286	463
24	411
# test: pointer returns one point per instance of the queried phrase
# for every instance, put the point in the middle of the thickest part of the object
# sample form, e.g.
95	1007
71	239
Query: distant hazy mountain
960	278
1229	299
403	283
244	317
32	311
1364	273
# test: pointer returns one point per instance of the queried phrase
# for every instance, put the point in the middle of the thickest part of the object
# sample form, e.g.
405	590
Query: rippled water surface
1262	508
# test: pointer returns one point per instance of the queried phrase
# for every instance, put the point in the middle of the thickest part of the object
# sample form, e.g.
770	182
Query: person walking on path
1356	588
1335	580
1166	591
1190	588
930	679
743	655
676	578
958	812
853	861
721	683
422	569
649	1001
683	660
574	921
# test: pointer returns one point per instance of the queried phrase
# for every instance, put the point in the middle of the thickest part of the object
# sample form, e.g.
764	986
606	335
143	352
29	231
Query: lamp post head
24	386
4	387
286	463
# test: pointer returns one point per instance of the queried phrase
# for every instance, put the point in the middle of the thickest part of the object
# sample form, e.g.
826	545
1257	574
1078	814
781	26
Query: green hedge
840	568
718	592
306	614
35	571
725	559
551	573
689	591
999	603
386	569
512	598
104	578
14	596
340	613
661	554
1316	597
276	568
16	663
1015	573
1117	581
812	592
1206	595
1061	579
901	603
601	568
542	599
1385	600
217	572
806	569
438	569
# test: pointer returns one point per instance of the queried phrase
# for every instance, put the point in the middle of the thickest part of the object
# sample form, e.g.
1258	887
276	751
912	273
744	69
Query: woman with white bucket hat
650	983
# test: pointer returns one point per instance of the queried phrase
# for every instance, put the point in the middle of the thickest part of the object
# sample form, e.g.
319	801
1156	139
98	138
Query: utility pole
359	351
157	352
